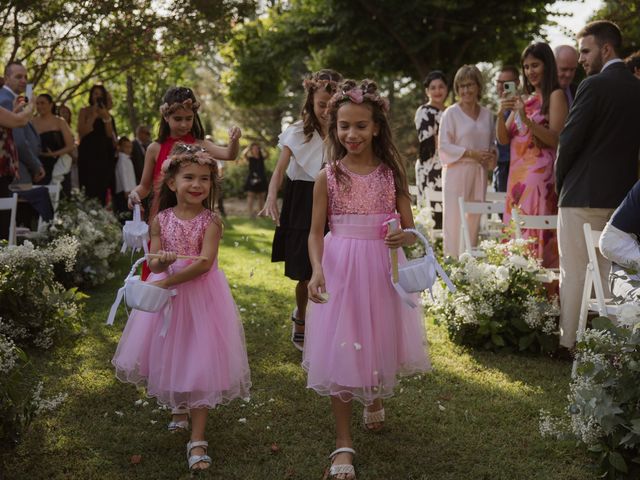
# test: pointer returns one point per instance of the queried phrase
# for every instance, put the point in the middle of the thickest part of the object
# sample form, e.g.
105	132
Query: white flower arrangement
500	300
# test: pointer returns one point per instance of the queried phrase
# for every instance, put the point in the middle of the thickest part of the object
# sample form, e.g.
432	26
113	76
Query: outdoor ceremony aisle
474	417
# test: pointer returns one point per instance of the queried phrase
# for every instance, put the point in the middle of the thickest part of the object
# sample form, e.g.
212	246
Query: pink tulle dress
365	335
202	359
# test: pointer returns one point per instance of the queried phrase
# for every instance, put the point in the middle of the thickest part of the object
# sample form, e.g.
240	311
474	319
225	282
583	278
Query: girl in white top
301	157
466	146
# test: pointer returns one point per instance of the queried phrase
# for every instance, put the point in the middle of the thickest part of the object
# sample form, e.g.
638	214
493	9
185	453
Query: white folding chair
54	194
11	203
593	282
474	208
536	222
491	196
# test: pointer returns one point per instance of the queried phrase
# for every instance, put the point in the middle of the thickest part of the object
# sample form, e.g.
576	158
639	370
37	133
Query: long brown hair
323	80
549	83
383	146
183	154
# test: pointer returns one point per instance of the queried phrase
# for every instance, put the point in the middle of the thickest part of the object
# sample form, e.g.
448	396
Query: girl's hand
133	199
399	239
234	134
316	287
160	283
271	210
166	258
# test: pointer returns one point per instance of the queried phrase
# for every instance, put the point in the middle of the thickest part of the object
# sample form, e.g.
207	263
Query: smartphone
28	93
510	88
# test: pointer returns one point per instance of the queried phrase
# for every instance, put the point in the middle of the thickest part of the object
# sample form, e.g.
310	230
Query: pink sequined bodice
363	194
183	236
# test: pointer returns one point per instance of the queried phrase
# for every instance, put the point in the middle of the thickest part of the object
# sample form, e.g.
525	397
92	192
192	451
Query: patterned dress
358	342
428	166
531	185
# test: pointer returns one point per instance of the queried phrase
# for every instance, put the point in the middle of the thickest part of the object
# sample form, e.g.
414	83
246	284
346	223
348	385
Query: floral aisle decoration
34	306
603	413
99	235
425	224
500	302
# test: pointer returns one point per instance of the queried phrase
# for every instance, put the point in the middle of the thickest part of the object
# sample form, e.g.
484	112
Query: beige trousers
573	263
467	179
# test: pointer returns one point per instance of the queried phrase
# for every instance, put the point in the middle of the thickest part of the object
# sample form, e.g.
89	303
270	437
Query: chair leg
584	309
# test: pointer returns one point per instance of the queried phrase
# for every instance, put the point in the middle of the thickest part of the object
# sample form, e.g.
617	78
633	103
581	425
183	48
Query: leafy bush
99	235
500	300
34	306
604	399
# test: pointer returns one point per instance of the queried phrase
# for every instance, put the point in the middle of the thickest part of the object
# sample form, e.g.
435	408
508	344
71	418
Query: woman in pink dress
467	152
363	335
195	357
533	128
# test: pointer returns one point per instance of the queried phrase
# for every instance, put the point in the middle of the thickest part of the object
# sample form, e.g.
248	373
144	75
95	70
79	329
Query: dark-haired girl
533	129
179	123
301	158
97	149
55	137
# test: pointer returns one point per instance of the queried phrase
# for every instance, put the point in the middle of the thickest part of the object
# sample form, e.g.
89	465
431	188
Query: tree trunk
131	108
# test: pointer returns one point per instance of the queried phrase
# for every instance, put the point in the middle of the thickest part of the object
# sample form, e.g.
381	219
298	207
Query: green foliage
98	233
500	301
626	14
604	403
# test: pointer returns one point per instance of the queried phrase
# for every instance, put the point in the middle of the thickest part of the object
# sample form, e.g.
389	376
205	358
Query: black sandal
297	338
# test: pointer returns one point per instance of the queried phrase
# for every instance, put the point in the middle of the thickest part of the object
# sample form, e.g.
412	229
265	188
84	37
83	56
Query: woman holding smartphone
533	129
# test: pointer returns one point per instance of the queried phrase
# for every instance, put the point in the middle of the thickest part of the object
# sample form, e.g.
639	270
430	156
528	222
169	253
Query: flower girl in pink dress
360	333
199	359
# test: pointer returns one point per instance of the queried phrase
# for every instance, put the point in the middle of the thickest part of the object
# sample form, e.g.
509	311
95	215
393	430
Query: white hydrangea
42	405
628	314
8	354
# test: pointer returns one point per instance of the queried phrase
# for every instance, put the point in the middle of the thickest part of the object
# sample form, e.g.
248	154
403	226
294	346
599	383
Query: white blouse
306	158
459	132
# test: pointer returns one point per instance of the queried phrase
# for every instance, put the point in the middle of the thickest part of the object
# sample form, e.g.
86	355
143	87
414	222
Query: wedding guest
256	184
467	151
508	73
597	159
96	153
56	140
18	116
532	130
427	120
619	244
567	63
25	138
633	63
140	144
125	177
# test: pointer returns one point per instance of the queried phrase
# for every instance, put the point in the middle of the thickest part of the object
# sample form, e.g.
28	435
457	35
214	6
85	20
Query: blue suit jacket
27	143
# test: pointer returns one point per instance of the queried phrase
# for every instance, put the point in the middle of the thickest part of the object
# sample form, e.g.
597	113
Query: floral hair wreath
188	104
322	81
191	154
359	95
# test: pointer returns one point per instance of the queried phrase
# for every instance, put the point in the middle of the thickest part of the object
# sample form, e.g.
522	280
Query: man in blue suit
26	138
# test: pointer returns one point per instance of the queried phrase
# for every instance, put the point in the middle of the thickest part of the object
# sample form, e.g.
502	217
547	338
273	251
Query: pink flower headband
321	84
188	104
191	154
357	95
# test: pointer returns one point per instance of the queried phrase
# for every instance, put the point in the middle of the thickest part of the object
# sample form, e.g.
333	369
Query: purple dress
202	360
365	335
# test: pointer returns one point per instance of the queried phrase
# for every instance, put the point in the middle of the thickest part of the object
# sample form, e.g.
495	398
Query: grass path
474	417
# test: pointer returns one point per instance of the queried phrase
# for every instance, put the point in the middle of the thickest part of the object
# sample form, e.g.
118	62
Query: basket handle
422	238
137	216
135	265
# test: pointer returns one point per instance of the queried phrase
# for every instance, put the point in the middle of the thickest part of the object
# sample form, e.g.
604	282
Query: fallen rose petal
136	459
275	448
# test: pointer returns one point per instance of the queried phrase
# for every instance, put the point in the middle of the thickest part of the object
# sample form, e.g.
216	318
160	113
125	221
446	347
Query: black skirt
290	239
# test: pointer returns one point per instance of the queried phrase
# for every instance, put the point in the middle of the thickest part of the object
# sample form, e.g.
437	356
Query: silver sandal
344	468
297	338
195	459
369	418
173	425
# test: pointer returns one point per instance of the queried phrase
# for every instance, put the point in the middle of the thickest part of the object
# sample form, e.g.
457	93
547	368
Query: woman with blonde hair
466	145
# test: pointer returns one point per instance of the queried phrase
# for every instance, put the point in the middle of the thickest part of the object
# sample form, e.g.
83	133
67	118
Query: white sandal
174	426
369	418
195	459
343	468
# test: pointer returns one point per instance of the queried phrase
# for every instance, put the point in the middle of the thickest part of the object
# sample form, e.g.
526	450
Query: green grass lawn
474	417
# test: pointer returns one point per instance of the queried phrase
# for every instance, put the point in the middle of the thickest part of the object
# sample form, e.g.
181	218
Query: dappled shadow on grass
474	417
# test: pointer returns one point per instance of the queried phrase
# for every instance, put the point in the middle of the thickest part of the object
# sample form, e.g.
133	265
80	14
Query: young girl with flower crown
360	334
199	359
302	158
179	123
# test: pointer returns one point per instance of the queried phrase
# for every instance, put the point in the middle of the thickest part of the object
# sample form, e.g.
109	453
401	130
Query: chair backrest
496	196
433	195
477	208
11	203
592	240
535	222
